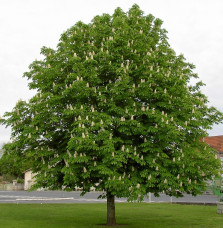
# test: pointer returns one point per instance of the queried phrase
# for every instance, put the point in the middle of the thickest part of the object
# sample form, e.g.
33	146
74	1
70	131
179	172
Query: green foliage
12	164
114	110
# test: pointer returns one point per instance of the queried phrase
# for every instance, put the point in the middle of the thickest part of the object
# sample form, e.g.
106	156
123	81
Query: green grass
138	215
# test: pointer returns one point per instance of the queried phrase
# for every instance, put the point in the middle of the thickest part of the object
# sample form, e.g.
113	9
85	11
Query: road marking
8	196
71	198
34	199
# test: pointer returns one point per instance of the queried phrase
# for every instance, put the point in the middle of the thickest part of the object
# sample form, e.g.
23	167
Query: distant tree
12	163
1	152
114	110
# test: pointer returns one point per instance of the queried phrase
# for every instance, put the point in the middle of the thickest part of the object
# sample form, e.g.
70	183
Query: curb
196	203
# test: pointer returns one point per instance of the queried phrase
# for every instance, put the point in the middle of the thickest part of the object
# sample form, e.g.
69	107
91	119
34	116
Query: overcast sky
195	28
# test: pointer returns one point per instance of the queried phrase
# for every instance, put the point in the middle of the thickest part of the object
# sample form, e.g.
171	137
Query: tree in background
114	110
13	165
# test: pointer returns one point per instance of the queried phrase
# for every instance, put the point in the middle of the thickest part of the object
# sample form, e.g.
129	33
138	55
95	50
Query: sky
195	29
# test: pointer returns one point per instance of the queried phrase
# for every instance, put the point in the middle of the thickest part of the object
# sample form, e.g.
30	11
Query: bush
8	178
20	181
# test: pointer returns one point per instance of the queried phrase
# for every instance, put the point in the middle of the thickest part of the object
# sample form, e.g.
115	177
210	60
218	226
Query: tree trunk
111	221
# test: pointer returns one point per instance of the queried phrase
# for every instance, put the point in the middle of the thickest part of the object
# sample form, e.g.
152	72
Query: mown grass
138	215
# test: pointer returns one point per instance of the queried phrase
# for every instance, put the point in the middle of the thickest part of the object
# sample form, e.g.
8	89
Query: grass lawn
138	215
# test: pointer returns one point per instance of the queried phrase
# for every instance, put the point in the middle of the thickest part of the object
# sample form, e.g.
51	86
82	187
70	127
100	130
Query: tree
114	110
13	164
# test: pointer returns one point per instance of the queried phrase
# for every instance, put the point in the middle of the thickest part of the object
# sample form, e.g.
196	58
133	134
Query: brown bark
111	221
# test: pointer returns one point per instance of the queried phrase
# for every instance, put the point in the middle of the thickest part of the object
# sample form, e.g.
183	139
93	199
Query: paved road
74	197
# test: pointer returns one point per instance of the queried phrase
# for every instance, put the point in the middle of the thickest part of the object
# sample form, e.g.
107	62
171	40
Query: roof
216	142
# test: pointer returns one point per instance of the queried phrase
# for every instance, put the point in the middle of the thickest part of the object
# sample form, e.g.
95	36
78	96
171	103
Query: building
216	142
29	179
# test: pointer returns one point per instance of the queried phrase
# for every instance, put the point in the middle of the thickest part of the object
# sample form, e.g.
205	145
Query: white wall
29	179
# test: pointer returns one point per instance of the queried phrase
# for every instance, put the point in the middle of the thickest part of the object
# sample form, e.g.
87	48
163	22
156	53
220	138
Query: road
18	197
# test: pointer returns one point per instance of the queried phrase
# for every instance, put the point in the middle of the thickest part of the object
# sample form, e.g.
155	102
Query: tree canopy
12	164
115	110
